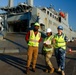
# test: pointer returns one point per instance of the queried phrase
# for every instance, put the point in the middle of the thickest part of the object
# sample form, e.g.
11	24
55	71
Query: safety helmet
36	24
48	30
60	27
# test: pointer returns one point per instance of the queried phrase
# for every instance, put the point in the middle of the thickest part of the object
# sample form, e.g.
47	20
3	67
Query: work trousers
60	57
32	56
48	55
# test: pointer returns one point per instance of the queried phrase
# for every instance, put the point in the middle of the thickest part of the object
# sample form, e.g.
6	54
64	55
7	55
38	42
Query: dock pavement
13	57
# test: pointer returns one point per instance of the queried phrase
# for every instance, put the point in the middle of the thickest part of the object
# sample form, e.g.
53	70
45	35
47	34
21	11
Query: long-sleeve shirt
28	35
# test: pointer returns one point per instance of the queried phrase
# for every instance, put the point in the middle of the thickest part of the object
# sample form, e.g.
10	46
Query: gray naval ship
20	18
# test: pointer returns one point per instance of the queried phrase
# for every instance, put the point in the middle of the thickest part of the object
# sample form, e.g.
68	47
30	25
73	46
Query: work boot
52	70
27	70
46	70
59	69
62	72
33	69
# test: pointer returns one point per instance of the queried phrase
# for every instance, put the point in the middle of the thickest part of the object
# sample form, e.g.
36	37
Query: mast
30	2
10	3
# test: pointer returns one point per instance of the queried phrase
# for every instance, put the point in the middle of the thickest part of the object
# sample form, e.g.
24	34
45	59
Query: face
36	28
48	34
60	31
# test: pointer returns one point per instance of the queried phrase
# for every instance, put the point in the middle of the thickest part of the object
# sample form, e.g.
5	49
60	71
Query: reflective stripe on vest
33	40
46	40
60	42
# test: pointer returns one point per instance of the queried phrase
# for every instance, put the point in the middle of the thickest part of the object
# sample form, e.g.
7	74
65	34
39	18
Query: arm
53	40
27	36
40	40
48	43
66	39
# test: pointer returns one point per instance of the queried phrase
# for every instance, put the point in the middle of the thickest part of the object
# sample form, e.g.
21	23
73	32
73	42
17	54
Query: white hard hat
48	30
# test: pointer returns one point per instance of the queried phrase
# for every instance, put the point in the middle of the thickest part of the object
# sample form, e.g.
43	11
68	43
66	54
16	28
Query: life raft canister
62	14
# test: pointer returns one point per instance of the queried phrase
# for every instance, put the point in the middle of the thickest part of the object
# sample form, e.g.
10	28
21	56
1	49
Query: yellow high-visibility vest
49	40
33	40
60	42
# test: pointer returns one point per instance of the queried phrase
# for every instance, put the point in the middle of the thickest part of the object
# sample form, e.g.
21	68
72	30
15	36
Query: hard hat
60	27
48	30
36	24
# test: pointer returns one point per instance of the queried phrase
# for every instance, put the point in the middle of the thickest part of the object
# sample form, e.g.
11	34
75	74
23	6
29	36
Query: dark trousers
60	57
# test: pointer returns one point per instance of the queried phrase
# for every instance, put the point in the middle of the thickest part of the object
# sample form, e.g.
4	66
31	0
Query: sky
68	6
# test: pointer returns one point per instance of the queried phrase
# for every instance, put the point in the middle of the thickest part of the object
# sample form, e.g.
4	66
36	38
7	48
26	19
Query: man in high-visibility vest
59	42
33	37
48	50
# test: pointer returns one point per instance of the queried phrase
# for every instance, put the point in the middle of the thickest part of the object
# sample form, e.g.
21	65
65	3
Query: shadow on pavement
16	43
18	62
14	61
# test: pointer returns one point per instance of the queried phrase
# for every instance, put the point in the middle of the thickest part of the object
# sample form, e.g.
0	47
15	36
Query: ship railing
34	19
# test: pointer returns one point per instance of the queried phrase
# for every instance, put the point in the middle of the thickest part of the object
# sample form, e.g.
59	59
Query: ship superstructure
21	17
48	17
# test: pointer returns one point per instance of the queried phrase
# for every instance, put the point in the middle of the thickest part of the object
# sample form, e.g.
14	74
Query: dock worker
59	42
48	50
33	38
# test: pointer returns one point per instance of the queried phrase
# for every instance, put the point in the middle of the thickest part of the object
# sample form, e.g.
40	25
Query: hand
45	45
49	46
